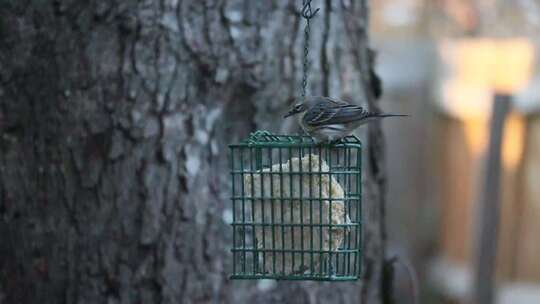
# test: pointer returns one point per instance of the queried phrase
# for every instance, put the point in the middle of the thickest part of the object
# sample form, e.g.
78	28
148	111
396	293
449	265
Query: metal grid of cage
296	208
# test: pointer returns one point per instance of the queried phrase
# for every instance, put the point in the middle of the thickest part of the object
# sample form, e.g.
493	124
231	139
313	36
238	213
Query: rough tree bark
114	120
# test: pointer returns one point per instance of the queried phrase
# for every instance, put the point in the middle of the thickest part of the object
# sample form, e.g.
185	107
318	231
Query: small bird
329	120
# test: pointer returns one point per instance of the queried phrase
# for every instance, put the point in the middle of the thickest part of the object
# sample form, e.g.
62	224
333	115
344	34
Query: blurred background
428	50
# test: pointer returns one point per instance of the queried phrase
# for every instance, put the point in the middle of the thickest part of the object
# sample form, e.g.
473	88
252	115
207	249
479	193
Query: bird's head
297	108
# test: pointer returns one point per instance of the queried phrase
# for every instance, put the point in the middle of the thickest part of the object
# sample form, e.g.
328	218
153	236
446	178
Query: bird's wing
328	112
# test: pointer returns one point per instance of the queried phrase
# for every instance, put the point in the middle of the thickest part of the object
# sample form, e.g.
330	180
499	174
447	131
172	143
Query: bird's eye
298	107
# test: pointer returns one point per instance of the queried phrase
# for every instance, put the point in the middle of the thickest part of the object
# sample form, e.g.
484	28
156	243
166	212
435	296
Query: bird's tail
392	115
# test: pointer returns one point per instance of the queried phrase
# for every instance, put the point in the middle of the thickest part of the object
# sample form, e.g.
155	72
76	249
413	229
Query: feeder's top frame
267	139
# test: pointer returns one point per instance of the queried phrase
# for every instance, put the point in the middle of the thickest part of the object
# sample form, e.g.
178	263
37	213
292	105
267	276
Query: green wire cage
296	208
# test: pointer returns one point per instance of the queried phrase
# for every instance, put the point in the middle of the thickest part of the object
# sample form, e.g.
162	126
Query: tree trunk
114	121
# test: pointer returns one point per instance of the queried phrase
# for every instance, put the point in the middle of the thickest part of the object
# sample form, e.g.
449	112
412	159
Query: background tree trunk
114	121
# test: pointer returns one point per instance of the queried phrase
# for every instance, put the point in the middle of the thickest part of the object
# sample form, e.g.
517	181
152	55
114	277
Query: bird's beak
291	112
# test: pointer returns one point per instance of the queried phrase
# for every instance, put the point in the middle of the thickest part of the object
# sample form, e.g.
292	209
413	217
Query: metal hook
307	13
306	10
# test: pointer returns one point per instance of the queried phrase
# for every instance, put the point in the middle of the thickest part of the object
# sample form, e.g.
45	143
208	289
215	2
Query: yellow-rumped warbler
328	120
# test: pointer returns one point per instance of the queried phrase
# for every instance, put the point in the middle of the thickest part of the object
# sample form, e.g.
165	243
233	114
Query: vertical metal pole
301	201
254	241
282	201
489	209
243	191
292	268
311	247
234	194
273	210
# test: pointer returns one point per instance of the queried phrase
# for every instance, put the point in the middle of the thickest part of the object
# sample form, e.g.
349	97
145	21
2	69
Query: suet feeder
296	208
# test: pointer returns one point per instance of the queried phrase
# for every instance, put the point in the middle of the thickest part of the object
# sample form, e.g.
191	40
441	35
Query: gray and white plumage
329	120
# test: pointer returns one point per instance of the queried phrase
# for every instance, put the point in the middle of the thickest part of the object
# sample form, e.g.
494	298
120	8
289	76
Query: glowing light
502	64
474	69
477	135
465	101
513	141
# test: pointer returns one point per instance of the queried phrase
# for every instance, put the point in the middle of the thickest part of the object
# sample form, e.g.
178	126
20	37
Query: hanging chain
307	13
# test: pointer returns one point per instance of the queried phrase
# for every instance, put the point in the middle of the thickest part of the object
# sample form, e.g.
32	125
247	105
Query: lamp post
484	75
489	209
504	66
509	72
